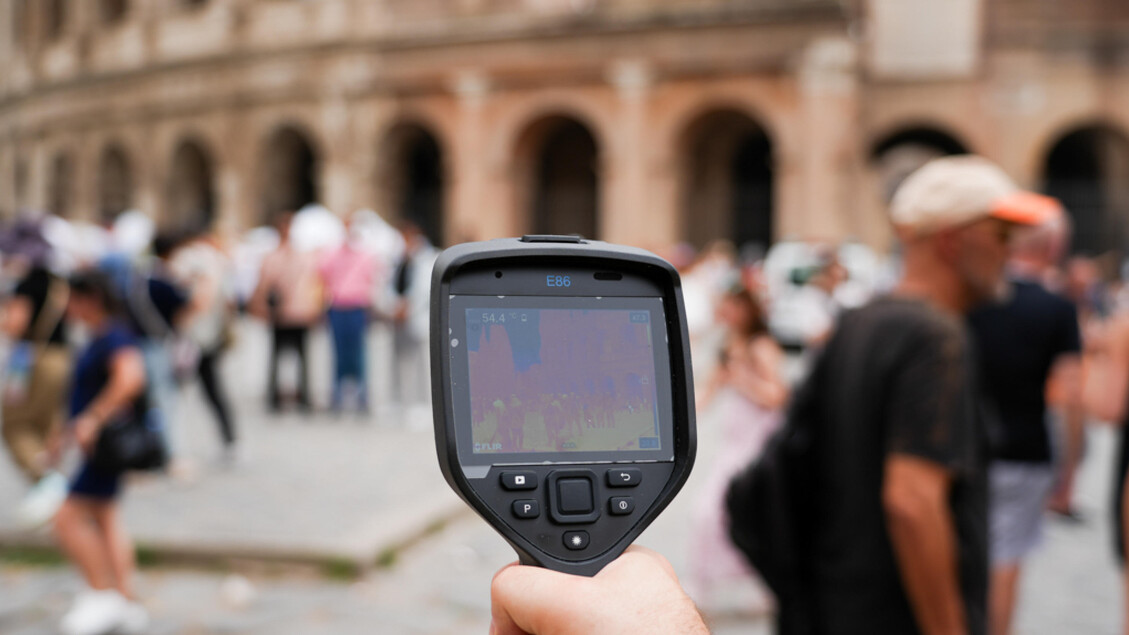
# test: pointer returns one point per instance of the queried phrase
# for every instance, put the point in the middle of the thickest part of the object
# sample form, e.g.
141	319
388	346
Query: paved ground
365	484
334	481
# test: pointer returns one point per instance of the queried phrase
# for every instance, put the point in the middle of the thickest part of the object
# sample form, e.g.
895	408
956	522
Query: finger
527	599
500	621
658	558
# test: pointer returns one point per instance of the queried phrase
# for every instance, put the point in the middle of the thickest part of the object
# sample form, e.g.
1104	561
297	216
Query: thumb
528	599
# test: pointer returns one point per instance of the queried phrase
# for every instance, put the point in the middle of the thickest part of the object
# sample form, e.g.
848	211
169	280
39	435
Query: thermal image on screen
559	380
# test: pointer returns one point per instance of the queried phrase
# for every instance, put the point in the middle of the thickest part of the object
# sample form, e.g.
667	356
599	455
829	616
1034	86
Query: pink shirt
348	275
292	277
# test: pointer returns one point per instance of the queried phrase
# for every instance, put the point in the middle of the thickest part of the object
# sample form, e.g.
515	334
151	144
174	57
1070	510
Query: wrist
94	417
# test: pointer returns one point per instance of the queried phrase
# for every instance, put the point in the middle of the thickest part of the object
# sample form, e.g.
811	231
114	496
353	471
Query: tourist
349	275
108	384
289	297
1024	346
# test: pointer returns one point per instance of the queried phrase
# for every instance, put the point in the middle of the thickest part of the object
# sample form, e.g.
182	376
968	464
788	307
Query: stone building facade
638	121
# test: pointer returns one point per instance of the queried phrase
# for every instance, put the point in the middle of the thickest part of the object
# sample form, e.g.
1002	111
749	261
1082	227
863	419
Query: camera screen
562	380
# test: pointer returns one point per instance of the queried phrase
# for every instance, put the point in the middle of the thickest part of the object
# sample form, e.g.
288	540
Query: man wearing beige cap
898	505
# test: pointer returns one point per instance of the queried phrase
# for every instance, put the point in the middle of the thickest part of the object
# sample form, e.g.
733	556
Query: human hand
86	431
636	593
400	315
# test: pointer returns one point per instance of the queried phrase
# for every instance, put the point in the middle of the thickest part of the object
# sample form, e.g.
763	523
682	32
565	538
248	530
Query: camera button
621	505
576	540
519	480
526	509
575	495
624	477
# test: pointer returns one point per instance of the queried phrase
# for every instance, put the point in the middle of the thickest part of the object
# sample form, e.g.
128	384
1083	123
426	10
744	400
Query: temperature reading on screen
502	317
558	281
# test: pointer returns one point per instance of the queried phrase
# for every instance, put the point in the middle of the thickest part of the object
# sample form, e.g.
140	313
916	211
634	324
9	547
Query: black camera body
562	392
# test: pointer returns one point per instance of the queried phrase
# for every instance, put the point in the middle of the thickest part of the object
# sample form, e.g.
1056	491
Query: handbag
131	443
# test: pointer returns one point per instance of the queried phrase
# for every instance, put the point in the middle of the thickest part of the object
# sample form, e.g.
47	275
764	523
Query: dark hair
96	285
757	323
166	242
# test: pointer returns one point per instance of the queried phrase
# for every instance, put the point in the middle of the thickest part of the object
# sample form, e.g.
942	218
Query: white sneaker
42	501
135	620
94	613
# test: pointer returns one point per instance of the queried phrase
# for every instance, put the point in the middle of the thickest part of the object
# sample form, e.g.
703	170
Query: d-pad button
572	496
575	495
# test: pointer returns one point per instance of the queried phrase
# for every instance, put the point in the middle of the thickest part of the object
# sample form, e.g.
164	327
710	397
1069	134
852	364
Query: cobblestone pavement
364	483
441	583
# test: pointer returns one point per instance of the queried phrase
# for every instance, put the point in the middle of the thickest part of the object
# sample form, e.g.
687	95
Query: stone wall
487	81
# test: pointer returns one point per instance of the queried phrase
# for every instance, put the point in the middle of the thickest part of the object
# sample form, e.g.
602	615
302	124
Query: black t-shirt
898	379
36	286
1017	344
153	315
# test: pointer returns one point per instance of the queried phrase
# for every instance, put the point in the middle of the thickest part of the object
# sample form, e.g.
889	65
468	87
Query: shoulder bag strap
51	315
141	303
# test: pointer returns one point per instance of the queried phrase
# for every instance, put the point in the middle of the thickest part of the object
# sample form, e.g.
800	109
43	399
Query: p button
526	509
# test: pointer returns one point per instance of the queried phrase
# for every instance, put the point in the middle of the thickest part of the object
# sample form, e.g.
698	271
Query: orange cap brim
1026	208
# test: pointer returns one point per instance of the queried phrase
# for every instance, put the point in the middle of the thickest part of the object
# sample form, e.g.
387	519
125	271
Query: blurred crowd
112	322
929	372
862	353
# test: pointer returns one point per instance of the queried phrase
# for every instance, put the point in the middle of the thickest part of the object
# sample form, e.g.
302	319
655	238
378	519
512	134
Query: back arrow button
624	477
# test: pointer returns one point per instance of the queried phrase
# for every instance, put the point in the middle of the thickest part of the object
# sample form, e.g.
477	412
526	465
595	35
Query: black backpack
770	508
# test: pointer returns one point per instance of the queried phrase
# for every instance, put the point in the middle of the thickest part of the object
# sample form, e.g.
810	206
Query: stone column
336	183
469	215
85	205
7	180
237	206
828	92
149	175
625	212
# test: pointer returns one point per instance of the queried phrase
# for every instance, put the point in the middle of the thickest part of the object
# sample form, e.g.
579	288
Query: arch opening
558	161
113	11
56	18
410	178
190	199
902	152
1087	169
289	176
21	23
115	184
727	181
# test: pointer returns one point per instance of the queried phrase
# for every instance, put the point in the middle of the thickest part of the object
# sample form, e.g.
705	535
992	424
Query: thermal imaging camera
562	392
